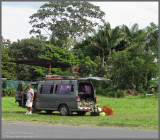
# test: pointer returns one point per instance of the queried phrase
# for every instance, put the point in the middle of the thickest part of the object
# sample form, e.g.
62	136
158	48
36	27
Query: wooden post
70	68
17	71
50	69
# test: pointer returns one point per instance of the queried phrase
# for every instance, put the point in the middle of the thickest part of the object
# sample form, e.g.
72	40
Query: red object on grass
108	110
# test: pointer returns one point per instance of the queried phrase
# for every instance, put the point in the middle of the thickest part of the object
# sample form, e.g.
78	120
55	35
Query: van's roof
85	79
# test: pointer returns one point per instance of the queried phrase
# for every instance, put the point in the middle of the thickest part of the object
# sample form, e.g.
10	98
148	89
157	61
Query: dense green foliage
8	69
132	68
27	49
125	55
59	55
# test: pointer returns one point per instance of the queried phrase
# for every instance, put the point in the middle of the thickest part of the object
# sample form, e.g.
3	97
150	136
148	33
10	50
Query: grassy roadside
129	112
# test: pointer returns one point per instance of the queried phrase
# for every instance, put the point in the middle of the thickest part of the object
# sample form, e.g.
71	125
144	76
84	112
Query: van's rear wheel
80	113
64	111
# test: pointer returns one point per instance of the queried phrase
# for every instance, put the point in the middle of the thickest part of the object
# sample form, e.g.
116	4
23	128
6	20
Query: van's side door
45	96
65	94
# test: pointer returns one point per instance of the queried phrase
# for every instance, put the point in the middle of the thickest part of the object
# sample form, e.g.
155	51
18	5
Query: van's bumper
81	109
84	108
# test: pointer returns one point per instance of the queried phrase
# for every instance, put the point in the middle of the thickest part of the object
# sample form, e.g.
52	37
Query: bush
151	92
111	94
120	93
101	91
10	91
117	94
141	90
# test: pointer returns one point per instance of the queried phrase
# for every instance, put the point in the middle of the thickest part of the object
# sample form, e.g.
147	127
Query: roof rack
58	77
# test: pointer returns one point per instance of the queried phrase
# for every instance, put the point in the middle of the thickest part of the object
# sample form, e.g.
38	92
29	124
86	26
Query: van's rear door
94	79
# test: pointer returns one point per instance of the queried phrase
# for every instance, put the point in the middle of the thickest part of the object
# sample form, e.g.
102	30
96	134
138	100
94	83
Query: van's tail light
78	99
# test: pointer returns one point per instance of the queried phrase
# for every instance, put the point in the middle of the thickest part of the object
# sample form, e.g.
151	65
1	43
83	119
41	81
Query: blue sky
15	15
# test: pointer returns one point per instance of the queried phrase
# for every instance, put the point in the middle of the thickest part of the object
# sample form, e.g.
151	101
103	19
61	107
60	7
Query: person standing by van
29	102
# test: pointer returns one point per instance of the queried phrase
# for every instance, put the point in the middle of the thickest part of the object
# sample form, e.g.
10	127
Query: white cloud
128	13
15	22
15	18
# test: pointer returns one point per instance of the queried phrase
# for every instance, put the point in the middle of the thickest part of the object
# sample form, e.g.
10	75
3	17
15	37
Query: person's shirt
30	92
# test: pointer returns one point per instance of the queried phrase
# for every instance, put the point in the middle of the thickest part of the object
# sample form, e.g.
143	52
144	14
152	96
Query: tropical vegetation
127	56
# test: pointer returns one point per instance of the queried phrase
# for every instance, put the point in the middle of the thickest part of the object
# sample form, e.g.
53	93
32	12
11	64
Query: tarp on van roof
95	78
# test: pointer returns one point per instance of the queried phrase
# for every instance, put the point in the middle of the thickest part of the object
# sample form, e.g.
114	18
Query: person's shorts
29	104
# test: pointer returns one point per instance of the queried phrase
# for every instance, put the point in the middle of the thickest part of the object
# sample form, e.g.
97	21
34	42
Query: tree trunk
110	51
103	59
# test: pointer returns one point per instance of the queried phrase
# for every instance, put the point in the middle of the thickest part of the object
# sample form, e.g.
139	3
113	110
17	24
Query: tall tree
134	35
67	19
27	49
152	39
8	69
133	68
106	39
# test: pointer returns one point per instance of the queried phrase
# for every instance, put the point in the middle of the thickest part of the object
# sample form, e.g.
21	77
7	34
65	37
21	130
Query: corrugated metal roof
42	62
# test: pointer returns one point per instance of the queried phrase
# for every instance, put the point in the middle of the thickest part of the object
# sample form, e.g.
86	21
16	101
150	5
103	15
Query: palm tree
106	39
134	34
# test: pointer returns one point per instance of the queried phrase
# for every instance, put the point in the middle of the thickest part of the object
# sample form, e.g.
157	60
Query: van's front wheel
64	111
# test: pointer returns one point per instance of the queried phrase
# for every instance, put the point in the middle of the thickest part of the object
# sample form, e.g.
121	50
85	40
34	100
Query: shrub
10	91
141	90
101	91
7	91
150	92
120	93
111	94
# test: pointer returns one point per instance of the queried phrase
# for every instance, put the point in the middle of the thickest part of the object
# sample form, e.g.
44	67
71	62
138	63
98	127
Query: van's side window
47	89
64	89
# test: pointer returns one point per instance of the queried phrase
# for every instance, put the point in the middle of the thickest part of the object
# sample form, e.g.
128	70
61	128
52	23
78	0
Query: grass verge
129	112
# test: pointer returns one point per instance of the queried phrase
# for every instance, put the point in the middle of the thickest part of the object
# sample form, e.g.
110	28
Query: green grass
130	112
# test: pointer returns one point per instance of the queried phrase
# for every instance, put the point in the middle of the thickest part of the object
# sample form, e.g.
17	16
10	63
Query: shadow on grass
43	113
19	112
